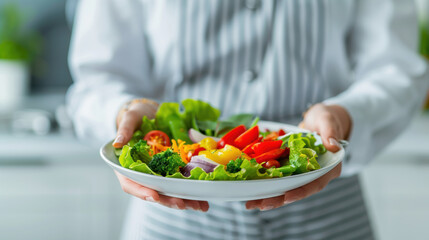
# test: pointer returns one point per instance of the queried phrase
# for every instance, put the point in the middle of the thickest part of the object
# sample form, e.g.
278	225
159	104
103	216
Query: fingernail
191	208
267	208
119	139
175	206
334	142
150	199
289	201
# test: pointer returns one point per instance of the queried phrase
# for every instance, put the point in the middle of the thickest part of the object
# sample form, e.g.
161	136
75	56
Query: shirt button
252	4
249	76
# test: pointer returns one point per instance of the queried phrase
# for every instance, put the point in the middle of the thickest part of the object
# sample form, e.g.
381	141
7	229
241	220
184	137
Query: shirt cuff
360	132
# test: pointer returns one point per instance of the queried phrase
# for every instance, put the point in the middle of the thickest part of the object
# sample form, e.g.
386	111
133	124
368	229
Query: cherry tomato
157	136
271	163
282	132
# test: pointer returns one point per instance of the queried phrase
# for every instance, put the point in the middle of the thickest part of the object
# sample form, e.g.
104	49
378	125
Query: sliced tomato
272	136
157	137
247	137
230	136
273	154
271	163
282	132
263	147
286	153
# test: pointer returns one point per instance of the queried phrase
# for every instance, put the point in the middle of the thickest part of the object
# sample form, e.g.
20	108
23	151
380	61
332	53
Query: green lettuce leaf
118	152
147	126
137	136
301	158
249	170
233	121
308	139
197	110
140	166
125	159
176	124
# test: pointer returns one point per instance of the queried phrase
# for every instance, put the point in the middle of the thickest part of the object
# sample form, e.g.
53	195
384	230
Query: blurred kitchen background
53	186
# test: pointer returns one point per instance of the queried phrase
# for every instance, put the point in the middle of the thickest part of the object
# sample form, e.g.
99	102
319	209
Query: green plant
424	39
15	43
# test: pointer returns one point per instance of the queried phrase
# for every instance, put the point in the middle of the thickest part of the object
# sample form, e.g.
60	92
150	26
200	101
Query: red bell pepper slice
249	148
273	154
263	147
198	150
247	137
230	136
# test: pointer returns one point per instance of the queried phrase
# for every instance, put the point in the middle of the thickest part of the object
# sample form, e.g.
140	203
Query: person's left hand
332	123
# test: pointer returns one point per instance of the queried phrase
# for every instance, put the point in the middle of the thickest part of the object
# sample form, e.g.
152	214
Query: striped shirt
272	58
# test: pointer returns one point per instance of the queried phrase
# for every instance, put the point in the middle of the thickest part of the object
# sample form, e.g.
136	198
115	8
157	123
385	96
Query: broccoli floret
166	163
140	151
234	165
137	136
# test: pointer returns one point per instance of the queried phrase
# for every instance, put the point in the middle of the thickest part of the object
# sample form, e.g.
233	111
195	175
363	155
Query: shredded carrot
156	147
183	149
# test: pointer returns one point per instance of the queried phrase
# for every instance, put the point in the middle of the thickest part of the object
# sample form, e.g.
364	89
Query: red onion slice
196	136
199	161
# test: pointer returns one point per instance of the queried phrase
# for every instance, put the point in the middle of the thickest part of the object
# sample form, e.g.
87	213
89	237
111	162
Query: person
342	64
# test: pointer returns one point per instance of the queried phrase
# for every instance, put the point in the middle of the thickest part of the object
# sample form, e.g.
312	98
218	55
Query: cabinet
51	195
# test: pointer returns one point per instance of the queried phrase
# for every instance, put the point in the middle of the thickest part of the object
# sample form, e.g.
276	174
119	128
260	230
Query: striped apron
337	212
261	57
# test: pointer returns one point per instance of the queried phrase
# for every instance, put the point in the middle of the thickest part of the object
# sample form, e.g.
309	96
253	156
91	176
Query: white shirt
271	58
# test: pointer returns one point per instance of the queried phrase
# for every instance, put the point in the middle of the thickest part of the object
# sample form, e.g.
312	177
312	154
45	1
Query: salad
196	144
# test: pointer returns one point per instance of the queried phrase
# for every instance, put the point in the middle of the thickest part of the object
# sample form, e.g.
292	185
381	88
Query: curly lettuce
303	152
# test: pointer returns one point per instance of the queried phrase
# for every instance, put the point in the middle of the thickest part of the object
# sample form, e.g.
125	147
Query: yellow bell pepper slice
222	156
208	143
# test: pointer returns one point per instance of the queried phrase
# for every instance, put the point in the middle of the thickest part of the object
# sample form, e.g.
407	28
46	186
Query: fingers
128	124
330	131
296	194
137	190
151	195
313	187
253	204
129	120
266	204
330	122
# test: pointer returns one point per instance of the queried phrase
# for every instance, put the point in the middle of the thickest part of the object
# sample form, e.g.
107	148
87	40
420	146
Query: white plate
226	190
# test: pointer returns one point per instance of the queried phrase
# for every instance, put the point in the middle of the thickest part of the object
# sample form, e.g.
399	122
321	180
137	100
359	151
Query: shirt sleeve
390	79
109	63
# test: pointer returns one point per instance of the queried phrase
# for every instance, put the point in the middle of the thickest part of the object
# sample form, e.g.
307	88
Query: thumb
129	122
330	134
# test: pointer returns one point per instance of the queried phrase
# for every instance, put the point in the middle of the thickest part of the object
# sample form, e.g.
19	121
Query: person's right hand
128	121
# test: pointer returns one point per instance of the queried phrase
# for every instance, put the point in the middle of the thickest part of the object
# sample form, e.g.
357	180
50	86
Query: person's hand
128	120
332	123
